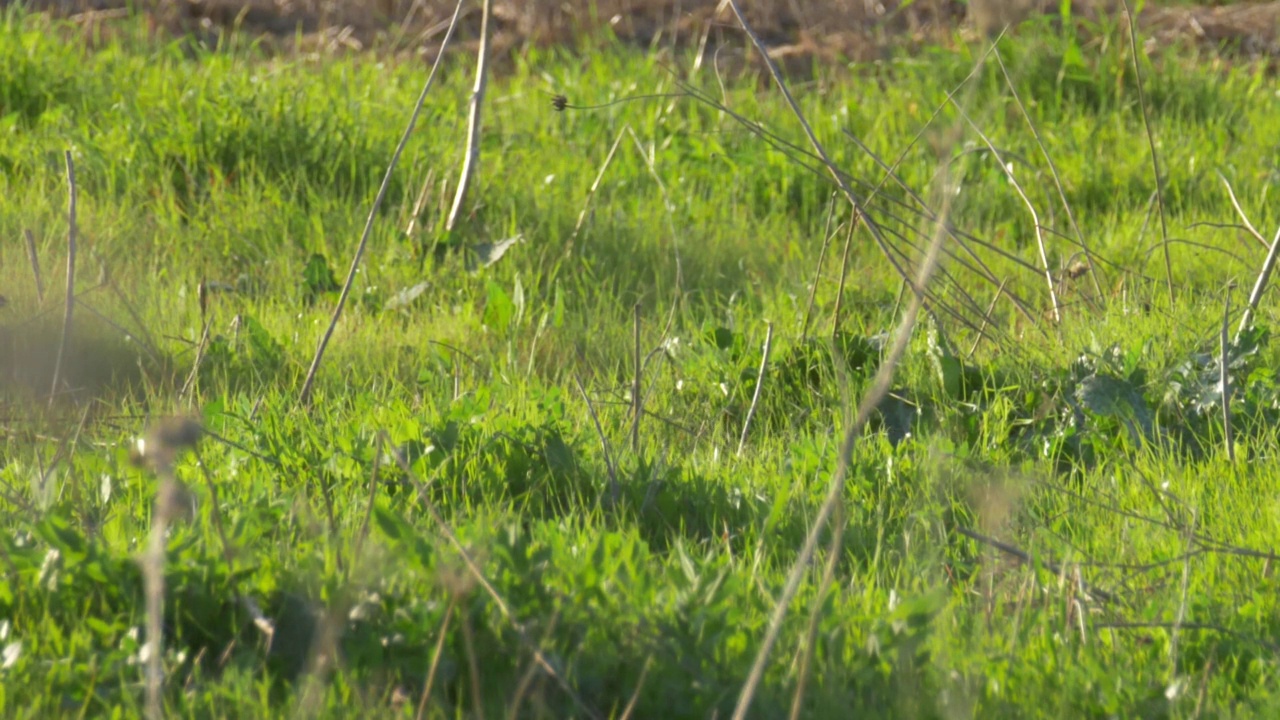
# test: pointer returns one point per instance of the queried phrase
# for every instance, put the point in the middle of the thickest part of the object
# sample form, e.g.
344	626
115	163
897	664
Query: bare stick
1151	143
755	396
595	185
1240	211
1027	558
34	258
817	273
637	398
604	441
1031	208
1053	170
879	387
472	159
1226	388
1259	286
71	275
305	396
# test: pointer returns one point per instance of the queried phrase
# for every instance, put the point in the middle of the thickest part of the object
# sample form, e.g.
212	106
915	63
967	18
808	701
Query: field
657	424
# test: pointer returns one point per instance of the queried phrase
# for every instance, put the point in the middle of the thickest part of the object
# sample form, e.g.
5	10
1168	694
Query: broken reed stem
637	399
1151	144
34	258
755	396
471	160
1227	438
304	396
71	276
1259	286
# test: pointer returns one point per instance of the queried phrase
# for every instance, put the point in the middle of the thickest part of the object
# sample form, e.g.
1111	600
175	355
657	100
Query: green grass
1096	445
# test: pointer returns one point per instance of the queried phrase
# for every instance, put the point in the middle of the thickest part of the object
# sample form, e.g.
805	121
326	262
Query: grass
1093	447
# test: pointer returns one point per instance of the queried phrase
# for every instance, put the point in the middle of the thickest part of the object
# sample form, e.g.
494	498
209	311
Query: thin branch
1259	286
755	396
1231	193
305	396
1027	558
472	159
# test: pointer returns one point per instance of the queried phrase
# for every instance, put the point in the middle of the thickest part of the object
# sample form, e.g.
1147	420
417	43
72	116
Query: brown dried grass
798	31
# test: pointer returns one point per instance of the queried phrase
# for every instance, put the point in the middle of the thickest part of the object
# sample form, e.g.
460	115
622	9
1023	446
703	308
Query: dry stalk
1231	193
71	276
755	396
472	159
304	396
1259	286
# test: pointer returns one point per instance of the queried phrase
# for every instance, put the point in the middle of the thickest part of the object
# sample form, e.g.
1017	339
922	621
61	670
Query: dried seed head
559	102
